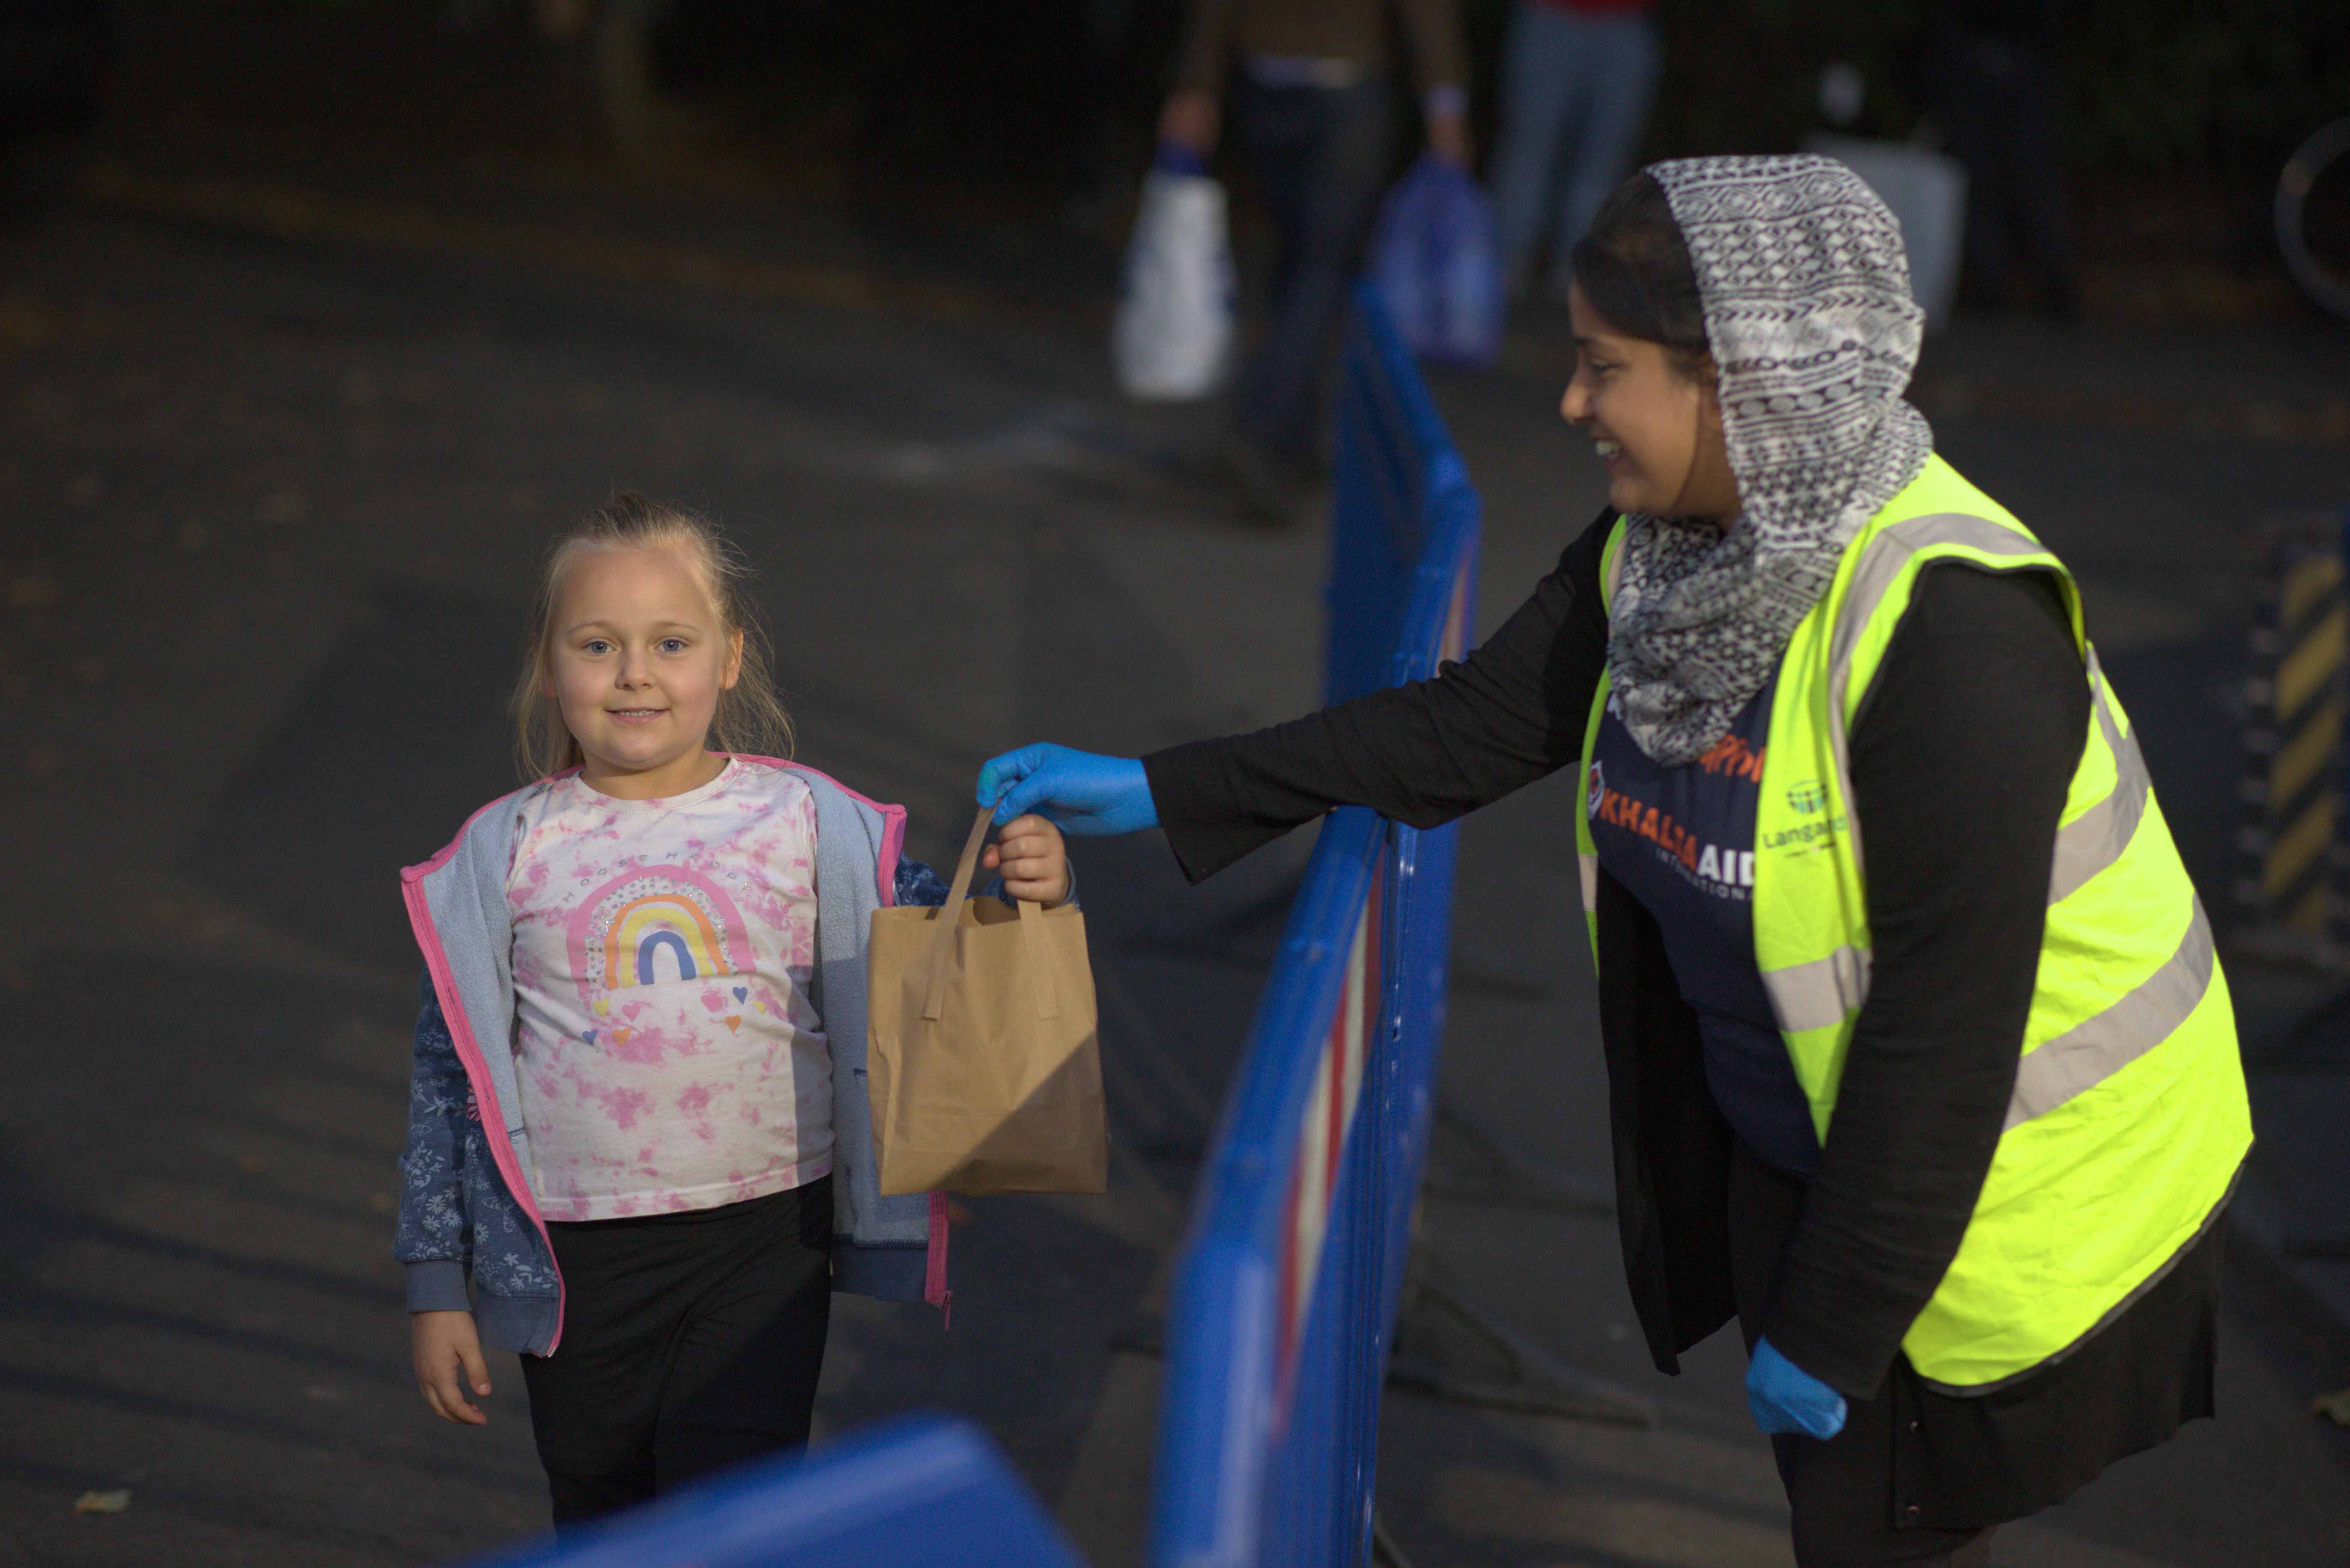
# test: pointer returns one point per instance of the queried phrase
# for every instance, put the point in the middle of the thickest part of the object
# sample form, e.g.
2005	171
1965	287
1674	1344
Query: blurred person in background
1577	77
1314	104
1992	75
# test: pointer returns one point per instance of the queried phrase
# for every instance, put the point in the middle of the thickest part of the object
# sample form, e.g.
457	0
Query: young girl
639	1123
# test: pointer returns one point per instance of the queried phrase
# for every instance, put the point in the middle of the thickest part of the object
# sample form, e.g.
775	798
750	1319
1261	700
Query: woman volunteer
1920	1061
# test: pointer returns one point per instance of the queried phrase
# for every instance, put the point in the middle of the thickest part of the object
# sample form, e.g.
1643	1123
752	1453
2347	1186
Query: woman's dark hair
1634	267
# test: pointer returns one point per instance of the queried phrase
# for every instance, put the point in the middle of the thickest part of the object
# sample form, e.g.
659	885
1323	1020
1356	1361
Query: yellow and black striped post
2291	886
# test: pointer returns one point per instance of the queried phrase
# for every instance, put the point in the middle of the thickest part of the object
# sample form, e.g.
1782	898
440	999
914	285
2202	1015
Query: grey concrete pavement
269	497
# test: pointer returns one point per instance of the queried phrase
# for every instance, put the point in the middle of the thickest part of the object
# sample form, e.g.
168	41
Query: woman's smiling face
1658	429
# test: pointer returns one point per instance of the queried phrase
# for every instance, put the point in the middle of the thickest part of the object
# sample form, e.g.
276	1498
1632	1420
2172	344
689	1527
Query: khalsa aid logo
1719	870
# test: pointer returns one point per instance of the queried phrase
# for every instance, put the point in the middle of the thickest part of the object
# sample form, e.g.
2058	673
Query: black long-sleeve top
1960	760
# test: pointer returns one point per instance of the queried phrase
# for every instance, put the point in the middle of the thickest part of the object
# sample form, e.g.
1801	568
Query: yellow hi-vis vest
2128	1120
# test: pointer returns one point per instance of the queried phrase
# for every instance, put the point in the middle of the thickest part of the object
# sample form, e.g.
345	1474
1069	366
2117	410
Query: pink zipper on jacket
469	1050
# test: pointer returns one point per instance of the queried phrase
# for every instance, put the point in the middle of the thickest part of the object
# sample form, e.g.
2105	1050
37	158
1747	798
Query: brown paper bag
980	1053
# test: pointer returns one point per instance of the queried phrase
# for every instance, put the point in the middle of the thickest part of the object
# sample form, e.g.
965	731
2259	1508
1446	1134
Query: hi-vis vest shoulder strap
2128	1119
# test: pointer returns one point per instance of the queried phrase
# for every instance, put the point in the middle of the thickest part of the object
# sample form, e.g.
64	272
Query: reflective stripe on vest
2095	839
2097	1048
1889	551
2127	1120
1820	994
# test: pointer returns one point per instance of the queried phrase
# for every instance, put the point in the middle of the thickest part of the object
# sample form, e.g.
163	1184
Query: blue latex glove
1787	1398
1077	791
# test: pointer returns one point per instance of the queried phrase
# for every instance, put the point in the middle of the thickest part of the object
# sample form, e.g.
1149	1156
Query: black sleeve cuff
1188	791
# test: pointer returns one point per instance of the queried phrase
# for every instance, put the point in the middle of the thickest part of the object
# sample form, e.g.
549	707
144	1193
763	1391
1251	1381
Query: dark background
2179	115
316	320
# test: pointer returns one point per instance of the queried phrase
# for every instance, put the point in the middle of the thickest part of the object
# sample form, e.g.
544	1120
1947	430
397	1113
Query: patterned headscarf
1807	312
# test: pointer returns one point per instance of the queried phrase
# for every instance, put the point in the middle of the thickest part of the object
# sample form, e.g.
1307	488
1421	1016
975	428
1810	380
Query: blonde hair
750	716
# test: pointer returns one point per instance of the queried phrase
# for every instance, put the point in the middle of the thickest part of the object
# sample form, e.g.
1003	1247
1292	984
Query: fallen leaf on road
2336	1406
103	1501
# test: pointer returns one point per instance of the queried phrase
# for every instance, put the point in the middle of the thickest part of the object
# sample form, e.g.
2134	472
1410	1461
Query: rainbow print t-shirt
668	1054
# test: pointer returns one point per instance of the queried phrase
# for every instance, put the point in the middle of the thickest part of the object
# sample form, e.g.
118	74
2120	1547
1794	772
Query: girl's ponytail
750	718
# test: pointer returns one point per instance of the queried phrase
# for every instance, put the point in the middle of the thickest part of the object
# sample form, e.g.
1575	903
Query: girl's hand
1033	860
448	1357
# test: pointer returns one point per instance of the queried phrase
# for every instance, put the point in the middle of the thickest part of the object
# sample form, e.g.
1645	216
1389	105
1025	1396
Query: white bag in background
1173	333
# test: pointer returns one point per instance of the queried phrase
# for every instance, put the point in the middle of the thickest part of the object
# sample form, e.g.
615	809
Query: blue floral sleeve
434	1226
919	887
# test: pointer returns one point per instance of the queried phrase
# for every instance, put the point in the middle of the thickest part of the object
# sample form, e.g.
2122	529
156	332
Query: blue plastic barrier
1403	516
913	1493
1277	1332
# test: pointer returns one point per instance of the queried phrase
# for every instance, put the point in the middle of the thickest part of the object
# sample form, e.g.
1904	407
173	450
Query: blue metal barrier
911	1493
1402	513
1277	1332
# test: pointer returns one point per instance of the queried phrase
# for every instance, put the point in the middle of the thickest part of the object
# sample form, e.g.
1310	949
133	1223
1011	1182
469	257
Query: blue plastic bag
1437	264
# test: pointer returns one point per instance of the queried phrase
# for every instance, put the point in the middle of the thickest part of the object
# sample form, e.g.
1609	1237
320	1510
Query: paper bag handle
941	956
1040	968
951	914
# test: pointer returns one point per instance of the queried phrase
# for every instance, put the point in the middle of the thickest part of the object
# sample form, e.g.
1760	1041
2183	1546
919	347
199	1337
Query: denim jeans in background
1322	158
1575	90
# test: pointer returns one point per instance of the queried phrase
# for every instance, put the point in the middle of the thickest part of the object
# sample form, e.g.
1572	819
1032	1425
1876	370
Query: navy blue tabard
1682	841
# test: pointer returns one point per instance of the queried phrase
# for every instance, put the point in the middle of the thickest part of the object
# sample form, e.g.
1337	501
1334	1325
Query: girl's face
638	659
1659	432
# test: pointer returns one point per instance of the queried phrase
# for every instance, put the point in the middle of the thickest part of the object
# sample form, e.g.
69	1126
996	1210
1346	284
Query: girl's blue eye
672	645
594	645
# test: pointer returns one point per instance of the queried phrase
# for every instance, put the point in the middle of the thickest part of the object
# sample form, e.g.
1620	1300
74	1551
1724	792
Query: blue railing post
1286	1291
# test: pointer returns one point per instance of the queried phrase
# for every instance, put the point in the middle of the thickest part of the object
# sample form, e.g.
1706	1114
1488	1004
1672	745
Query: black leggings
690	1342
1840	1491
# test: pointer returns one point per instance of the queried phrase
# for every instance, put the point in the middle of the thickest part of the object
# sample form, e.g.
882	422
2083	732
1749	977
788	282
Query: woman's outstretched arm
1511	713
